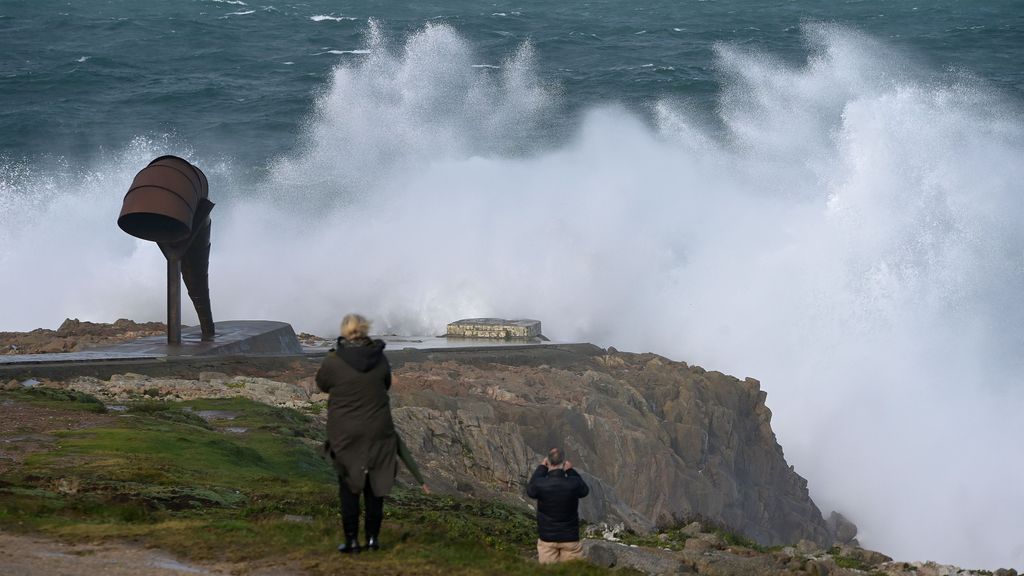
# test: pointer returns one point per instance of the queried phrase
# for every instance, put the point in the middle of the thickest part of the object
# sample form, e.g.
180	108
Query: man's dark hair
555	456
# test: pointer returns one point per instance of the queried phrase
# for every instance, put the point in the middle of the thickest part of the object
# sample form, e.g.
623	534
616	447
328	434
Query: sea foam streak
852	240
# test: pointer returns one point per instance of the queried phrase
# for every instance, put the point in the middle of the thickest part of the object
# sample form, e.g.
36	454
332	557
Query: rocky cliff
661	442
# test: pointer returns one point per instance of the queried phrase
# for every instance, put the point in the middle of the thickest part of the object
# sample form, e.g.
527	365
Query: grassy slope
163	476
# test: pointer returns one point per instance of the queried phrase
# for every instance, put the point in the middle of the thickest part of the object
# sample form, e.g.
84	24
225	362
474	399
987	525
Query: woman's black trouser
350	510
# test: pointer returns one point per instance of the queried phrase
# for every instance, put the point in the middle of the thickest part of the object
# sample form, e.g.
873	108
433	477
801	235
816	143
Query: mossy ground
162	475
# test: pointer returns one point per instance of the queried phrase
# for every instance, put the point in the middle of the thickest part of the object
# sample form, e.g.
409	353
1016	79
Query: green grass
164	476
57	397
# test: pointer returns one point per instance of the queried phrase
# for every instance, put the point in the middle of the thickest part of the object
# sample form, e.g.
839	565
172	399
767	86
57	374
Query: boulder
843	531
646	560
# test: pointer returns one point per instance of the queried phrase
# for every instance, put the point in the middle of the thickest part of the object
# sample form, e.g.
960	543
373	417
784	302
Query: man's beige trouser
551	552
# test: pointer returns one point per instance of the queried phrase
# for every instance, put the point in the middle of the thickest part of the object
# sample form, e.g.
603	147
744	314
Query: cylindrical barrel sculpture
167	203
163	199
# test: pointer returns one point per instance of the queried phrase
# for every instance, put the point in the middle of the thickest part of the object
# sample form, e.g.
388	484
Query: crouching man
558	489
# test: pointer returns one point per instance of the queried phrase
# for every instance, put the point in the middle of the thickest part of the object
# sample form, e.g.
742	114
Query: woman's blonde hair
354	326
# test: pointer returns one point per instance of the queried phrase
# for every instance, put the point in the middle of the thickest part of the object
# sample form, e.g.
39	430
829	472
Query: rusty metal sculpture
167	204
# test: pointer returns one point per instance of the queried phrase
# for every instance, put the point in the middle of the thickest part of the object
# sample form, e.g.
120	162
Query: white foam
83	58
242	13
321	18
341	52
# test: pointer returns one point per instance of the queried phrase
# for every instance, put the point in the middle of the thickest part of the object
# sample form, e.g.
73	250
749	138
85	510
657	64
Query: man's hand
568	465
426	489
544	462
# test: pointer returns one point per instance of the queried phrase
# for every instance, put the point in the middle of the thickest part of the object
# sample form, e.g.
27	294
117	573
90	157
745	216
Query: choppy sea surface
822	195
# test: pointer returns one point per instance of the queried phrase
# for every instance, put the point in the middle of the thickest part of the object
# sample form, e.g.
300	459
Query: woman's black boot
373	542
351	546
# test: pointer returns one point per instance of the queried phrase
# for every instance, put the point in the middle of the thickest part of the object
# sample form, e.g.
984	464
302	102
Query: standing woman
361	439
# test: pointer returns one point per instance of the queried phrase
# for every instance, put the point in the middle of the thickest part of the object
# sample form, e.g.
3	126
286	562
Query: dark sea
237	80
826	196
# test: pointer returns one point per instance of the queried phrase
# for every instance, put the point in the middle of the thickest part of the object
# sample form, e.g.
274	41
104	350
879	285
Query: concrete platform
233	338
248	346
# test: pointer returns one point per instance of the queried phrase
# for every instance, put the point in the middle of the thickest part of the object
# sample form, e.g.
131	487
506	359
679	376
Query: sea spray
845	230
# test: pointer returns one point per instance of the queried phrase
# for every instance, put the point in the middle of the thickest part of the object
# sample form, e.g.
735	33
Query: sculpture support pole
173	301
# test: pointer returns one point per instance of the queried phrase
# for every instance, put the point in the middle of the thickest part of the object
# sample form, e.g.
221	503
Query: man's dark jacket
558	496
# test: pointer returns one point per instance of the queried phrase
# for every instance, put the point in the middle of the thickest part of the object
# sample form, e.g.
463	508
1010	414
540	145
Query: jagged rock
867	557
698	545
692	529
922	569
820	567
74	335
807	548
843	531
646	560
726	563
662	442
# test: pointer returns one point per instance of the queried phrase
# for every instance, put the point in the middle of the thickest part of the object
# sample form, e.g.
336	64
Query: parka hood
362	355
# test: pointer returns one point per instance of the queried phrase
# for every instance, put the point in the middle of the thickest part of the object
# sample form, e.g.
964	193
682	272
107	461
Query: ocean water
824	196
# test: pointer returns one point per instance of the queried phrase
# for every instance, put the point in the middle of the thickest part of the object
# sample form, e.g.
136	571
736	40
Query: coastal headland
209	464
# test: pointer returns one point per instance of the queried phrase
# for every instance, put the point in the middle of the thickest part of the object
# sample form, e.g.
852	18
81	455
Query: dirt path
37	556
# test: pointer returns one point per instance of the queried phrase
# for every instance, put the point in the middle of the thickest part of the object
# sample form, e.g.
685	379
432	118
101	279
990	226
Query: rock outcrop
659	441
74	335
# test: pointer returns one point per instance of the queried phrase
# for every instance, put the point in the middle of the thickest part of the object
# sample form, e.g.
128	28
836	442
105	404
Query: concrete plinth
233	338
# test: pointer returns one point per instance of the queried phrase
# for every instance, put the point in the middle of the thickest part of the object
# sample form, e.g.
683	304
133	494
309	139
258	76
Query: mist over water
845	230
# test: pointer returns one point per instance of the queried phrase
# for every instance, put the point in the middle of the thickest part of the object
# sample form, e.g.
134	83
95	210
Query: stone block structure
495	328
